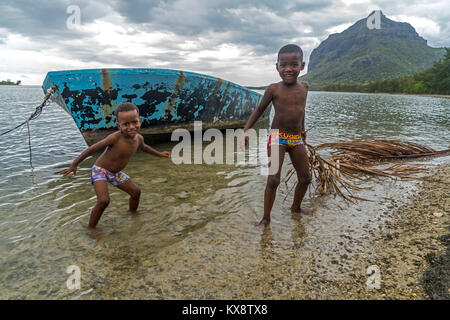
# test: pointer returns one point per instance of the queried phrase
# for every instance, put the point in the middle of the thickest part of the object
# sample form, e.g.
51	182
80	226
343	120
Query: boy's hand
165	154
67	171
244	141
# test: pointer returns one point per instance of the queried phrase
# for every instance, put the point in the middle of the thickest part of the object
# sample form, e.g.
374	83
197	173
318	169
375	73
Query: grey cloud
195	18
264	25
46	19
138	11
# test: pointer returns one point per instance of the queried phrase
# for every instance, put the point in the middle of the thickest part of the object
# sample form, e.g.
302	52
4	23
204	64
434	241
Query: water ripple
194	221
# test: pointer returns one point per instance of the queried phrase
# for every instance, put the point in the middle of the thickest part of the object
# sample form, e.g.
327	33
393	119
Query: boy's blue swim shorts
99	173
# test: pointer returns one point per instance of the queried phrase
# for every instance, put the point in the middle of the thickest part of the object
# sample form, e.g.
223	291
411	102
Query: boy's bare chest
124	148
292	102
288	98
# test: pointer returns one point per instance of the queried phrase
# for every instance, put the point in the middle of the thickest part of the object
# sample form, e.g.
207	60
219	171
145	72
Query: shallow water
194	235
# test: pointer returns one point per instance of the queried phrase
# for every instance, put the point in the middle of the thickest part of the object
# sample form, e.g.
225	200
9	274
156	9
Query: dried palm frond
351	158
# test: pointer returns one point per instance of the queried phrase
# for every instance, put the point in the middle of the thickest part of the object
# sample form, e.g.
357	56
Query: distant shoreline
10	83
419	94
393	93
446	96
20	85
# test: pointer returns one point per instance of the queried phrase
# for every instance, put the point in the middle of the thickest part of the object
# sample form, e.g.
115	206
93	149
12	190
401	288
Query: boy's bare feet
263	224
301	210
94	233
134	212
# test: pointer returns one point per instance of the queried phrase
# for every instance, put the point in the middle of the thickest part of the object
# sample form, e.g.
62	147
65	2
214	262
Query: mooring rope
33	116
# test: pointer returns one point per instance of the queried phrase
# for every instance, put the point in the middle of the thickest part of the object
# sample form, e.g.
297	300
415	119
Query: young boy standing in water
120	146
288	128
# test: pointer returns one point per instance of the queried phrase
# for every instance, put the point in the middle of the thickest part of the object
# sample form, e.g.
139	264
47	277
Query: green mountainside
360	54
435	80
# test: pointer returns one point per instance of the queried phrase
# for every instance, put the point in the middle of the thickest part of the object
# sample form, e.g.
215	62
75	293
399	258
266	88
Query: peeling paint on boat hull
167	100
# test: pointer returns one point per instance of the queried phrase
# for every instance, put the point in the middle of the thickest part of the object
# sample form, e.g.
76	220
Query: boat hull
167	100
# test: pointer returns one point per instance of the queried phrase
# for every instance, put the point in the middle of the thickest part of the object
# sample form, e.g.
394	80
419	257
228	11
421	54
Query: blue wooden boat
167	99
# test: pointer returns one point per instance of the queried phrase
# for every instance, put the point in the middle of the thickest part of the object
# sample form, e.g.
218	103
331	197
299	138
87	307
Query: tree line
9	82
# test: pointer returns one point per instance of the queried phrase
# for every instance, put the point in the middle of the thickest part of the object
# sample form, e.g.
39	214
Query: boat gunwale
170	72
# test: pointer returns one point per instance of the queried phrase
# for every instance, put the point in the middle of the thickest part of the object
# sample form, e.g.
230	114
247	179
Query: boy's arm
306	85
99	146
146	148
268	96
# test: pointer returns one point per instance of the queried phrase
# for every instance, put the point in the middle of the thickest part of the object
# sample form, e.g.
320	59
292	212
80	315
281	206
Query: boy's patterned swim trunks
285	139
99	173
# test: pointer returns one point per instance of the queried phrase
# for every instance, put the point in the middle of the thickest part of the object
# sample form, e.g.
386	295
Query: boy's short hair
125	106
291	48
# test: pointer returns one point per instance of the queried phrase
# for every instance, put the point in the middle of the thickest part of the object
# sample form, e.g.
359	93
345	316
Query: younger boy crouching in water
120	146
288	128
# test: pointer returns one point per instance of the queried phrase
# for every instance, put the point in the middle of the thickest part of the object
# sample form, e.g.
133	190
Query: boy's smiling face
129	122
289	66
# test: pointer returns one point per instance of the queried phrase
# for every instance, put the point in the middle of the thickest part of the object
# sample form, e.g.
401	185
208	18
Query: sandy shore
412	250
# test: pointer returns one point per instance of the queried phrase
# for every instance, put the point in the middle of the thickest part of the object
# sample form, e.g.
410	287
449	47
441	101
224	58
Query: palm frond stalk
350	159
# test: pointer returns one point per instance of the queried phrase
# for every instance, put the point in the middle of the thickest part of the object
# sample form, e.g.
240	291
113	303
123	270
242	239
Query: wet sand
408	244
411	250
219	254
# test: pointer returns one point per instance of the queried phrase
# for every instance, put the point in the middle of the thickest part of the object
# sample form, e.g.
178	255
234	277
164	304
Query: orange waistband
286	135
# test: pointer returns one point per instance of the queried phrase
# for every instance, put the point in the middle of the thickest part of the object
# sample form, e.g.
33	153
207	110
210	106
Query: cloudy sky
236	40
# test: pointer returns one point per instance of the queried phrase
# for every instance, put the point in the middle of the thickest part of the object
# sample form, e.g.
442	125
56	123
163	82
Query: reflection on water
194	234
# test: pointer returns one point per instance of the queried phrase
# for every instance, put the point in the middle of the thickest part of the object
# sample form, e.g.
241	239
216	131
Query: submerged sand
403	234
410	251
409	247
408	243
